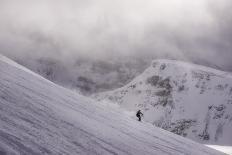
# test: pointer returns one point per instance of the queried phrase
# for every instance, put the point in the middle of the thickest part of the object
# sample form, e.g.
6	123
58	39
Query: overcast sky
193	30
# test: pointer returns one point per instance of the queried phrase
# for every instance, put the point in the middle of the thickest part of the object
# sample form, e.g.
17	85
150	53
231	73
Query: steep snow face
190	100
39	117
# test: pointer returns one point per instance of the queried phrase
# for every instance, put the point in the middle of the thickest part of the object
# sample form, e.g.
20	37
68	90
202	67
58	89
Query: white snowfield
187	99
40	117
225	149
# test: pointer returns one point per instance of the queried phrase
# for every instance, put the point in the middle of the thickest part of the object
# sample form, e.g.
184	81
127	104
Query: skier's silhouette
139	114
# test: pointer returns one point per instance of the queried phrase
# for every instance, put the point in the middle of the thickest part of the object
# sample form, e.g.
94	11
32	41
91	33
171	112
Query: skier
139	114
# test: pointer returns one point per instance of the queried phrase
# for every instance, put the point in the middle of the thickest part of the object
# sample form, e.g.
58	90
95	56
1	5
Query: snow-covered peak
187	66
39	117
190	100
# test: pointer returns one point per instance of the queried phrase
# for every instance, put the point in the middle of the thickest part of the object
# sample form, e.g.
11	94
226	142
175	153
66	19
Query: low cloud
198	31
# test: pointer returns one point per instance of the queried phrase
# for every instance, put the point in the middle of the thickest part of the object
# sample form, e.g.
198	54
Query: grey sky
197	30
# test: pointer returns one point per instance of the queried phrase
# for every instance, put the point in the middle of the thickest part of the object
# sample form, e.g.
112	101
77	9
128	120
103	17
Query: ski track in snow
39	117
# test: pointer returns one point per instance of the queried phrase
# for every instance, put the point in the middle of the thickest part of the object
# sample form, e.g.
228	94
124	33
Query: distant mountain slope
85	75
39	117
186	99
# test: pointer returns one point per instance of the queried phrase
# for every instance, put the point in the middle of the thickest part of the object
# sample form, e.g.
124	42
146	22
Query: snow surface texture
40	117
190	100
225	149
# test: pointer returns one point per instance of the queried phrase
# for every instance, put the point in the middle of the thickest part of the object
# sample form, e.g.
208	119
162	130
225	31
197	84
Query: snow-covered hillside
39	117
186	99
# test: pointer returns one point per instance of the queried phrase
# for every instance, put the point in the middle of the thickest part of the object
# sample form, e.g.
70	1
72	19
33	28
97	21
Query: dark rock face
153	80
162	67
181	126
215	113
159	82
164	93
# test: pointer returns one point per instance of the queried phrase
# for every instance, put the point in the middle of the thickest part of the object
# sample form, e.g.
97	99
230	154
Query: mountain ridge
40	117
188	99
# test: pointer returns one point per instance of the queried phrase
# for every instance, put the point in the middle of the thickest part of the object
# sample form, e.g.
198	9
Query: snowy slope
187	99
225	149
39	117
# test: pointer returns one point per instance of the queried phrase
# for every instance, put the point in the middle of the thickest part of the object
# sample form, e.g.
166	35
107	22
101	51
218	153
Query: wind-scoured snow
225	149
187	99
40	117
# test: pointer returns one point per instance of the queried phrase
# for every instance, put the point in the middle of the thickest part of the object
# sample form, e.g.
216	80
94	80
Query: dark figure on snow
139	114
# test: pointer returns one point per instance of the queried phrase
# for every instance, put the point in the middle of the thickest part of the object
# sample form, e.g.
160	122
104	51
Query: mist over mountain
104	49
123	35
87	76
